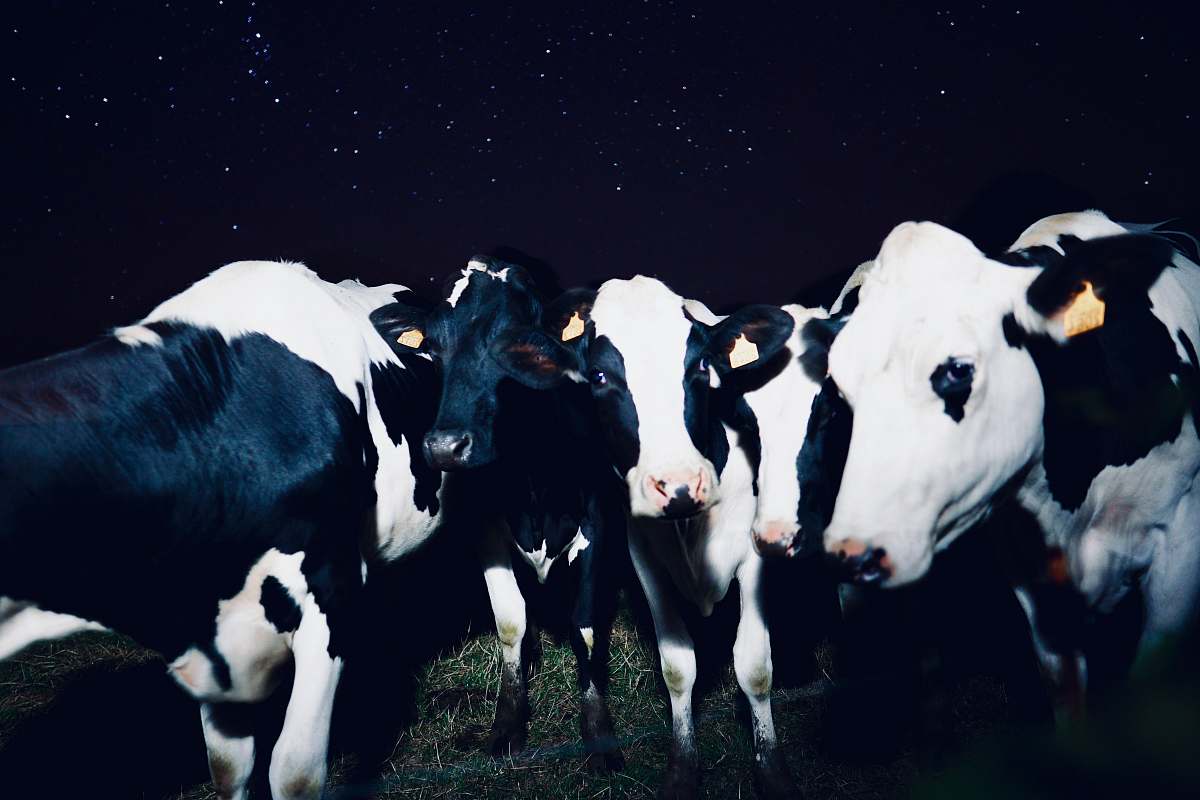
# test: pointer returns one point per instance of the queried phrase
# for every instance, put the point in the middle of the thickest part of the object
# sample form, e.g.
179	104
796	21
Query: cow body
202	481
1092	433
653	364
531	455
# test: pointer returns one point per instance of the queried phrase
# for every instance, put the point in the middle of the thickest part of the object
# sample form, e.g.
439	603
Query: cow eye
959	371
597	377
951	381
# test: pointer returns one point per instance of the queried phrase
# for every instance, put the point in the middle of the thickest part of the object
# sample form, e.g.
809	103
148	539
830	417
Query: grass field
96	716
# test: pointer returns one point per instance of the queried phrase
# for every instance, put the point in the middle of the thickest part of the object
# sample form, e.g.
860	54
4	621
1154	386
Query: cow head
652	367
947	401
803	431
464	335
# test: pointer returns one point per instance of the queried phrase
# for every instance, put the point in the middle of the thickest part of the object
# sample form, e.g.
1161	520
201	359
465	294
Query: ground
129	733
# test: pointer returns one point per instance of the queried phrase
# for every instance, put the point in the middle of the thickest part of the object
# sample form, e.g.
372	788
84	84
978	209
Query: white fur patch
473	266
319	321
577	546
540	562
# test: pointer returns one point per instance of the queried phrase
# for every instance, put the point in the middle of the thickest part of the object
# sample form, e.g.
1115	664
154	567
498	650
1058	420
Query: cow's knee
678	670
752	665
296	781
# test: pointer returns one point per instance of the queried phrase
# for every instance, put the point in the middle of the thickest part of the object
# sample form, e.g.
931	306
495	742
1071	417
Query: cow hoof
679	787
604	762
504	742
772	779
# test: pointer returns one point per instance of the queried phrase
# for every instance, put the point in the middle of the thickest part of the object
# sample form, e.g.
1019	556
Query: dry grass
439	756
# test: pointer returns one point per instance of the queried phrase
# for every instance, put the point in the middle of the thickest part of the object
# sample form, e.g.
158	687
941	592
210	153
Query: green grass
440	754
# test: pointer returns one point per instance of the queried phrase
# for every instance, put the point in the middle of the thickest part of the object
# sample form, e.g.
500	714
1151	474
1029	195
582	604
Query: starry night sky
742	152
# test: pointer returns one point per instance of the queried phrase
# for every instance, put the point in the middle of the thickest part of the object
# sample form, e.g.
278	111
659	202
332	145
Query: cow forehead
941	307
644	320
481	273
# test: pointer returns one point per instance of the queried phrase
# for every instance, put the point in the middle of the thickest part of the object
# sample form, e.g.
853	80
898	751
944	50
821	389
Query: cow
654	370
530	451
208	481
1061	376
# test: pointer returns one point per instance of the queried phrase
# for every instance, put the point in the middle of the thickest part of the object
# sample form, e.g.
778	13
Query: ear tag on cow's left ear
573	328
1086	312
743	352
411	338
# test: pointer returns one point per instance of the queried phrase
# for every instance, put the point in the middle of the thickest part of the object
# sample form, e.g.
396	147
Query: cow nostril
660	486
462	446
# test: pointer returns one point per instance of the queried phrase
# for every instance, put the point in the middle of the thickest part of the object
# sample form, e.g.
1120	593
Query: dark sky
741	151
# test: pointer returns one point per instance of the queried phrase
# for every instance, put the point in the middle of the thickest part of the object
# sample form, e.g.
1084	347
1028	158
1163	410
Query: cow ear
532	357
1068	298
816	338
749	337
566	318
401	326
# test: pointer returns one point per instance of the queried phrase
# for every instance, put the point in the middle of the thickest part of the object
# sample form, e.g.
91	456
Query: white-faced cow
534	458
653	368
202	481
1063	375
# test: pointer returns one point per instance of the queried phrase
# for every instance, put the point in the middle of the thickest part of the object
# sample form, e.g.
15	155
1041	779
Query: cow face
803	432
652	367
947	402
460	335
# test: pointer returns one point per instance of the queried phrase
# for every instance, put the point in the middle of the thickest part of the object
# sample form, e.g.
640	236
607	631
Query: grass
439	754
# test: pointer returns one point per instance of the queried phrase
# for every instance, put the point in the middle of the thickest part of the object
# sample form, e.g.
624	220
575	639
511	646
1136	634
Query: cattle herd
219	480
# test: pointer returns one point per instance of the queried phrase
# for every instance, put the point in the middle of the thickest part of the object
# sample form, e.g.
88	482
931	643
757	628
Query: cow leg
752	664
508	606
1065	671
591	629
677	656
22	624
230	743
298	760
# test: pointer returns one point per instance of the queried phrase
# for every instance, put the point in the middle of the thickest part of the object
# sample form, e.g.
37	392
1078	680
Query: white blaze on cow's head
652	367
947	401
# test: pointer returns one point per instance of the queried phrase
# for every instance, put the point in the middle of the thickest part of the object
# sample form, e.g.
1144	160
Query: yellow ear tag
411	338
1086	312
574	328
744	352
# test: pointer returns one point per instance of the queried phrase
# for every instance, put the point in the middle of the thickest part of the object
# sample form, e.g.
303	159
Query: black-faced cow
534	457
653	368
202	480
1068	383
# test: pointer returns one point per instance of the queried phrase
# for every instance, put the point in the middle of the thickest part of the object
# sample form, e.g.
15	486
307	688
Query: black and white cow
535	460
653	368
1067	382
202	481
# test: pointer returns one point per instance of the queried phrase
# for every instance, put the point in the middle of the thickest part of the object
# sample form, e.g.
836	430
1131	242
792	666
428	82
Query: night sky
740	151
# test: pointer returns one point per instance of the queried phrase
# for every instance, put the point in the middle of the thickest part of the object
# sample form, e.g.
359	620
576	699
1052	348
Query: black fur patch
1191	378
821	461
614	405
407	399
278	606
953	390
138	485
817	336
1110	397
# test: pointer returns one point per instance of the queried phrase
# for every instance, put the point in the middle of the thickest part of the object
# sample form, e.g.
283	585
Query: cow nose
447	450
861	562
678	494
776	538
